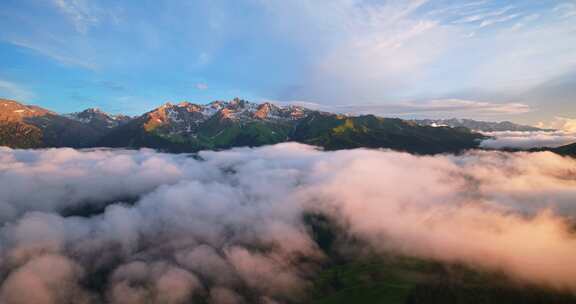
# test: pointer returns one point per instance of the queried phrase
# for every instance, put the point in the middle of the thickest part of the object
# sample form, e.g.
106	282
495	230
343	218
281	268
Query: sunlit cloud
230	224
560	123
528	140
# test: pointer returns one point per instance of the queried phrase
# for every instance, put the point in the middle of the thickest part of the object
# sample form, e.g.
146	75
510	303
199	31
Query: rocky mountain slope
98	119
23	126
476	125
217	125
188	127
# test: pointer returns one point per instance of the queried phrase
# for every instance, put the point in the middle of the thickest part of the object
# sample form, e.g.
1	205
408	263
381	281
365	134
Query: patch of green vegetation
174	138
248	134
348	126
401	280
376	282
334	132
382	279
394	279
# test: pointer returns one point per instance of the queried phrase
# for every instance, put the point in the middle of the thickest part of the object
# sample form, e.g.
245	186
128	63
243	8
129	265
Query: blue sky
486	59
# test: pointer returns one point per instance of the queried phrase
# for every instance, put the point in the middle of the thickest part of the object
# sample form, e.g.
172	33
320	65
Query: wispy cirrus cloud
525	21
80	12
483	15
382	52
491	21
49	50
366	48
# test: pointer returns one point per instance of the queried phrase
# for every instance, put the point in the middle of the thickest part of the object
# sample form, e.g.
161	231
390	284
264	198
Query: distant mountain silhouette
476	125
569	150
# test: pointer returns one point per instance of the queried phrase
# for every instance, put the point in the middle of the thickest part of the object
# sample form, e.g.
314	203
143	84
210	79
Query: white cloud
55	53
467	8
366	52
15	91
512	62
204	58
524	21
488	22
566	10
528	140
201	86
560	123
361	50
231	222
81	13
484	16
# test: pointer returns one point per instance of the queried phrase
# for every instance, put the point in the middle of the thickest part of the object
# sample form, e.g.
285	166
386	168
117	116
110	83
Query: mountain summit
186	117
98	119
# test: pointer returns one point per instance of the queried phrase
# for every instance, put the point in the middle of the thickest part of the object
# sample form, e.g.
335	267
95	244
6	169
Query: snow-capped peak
98	118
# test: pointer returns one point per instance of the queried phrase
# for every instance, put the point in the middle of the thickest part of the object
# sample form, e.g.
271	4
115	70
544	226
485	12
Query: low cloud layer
560	123
228	226
528	140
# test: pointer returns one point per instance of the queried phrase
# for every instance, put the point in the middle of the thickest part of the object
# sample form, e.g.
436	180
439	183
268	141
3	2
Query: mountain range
481	126
189	127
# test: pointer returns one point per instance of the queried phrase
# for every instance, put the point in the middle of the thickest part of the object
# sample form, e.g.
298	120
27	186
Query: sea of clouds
559	132
228	226
525	140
